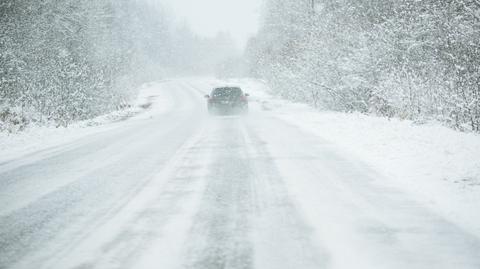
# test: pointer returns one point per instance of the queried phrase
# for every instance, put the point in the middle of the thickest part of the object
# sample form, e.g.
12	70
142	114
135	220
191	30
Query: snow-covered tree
411	59
62	61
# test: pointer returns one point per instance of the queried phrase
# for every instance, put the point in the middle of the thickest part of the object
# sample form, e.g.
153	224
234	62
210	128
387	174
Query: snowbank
151	101
440	166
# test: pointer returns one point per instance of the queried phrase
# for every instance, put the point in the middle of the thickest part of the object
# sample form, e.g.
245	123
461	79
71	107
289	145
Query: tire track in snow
219	236
246	219
282	237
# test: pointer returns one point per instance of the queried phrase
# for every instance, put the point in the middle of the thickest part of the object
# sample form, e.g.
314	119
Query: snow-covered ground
437	164
150	101
283	187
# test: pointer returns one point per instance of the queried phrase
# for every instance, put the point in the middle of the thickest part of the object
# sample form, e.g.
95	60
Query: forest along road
182	189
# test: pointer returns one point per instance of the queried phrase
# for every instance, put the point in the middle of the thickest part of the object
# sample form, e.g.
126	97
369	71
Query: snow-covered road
181	189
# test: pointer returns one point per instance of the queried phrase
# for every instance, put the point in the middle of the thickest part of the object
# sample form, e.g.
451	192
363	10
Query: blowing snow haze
222	134
209	17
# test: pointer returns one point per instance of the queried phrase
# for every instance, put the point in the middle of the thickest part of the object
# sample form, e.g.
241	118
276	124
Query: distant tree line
69	60
411	59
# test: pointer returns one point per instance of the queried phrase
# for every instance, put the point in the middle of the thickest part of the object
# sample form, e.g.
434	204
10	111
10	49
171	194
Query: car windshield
227	92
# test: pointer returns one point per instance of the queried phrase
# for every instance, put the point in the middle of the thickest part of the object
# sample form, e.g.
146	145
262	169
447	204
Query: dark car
226	100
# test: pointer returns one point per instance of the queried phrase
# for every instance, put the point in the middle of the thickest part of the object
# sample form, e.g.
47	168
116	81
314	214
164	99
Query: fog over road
182	189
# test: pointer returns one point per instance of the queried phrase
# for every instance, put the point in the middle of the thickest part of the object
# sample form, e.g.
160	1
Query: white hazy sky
208	17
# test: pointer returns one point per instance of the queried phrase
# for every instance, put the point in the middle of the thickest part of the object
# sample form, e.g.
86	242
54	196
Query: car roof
227	87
